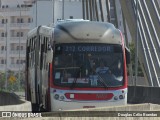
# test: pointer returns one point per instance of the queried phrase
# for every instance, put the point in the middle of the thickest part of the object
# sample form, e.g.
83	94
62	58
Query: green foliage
2	81
132	49
17	85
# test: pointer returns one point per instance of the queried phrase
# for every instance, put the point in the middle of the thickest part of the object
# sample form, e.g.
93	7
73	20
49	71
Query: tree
132	49
13	83
2	81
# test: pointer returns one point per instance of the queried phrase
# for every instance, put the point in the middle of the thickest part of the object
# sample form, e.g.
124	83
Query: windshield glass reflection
88	69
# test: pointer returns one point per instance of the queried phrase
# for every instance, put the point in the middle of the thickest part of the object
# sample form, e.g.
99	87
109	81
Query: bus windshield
88	65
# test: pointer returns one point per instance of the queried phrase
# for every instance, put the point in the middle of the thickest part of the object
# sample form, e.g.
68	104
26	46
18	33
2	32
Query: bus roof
71	20
82	31
43	30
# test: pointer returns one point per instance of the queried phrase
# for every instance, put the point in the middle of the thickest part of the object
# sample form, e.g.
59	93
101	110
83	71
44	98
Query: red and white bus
76	64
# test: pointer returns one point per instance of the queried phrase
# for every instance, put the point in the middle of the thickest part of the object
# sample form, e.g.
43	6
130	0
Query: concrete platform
12	102
129	112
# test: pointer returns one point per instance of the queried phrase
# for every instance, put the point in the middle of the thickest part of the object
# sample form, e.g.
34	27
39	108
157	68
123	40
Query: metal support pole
19	53
6	75
36	13
93	10
101	10
20	44
53	11
96	9
108	12
63	10
115	13
87	12
125	30
83	9
136	49
90	8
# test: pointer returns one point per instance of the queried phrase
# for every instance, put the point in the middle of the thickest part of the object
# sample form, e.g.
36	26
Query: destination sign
87	48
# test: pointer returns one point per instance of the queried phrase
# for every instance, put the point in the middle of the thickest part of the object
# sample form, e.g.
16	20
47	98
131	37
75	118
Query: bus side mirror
49	55
128	55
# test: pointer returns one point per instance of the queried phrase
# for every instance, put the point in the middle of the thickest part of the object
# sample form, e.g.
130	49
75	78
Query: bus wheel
47	101
42	108
28	94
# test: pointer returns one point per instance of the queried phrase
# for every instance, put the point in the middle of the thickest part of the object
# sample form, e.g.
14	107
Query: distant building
46	11
15	21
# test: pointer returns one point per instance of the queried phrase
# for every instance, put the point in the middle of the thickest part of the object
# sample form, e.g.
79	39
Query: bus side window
27	56
31	51
41	53
44	53
47	45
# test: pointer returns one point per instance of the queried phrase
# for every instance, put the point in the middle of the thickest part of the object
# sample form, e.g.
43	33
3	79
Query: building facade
15	21
46	12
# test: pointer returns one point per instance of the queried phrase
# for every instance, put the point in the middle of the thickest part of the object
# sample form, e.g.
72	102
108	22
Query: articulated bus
76	64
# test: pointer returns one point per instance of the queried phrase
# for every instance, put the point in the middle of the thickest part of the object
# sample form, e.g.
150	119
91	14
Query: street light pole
19	50
36	13
136	47
19	47
53	9
62	9
6	54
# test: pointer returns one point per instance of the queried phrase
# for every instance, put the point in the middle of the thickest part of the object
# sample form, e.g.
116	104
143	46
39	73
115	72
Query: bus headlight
56	96
115	98
61	97
121	97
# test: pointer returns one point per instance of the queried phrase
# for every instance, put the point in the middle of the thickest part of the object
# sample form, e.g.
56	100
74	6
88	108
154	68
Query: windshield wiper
102	81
